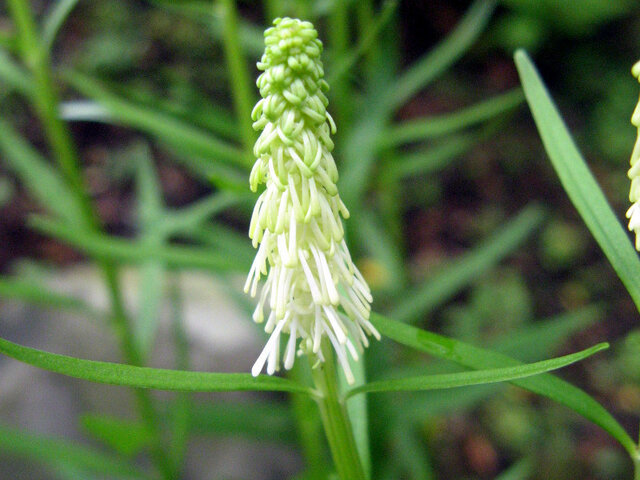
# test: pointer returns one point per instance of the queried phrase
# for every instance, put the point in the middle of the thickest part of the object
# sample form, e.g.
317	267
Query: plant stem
239	81
36	57
335	420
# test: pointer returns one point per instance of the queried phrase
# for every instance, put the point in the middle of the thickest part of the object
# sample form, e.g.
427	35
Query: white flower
313	289
633	214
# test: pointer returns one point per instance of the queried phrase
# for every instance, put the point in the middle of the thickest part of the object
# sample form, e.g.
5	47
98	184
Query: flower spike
633	214
313	290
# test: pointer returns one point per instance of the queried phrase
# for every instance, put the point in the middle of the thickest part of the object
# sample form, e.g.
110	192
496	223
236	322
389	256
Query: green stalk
338	33
36	57
239	81
336	423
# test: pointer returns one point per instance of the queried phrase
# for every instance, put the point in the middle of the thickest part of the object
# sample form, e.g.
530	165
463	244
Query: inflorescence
313	289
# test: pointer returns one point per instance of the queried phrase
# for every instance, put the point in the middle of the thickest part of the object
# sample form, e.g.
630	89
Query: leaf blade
145	377
474	357
577	180
458	273
477	377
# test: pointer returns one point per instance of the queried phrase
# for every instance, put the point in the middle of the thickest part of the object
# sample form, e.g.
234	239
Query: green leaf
427	160
577	180
196	214
540	337
15	76
426	128
143	377
166	128
445	54
458	273
152	272
38	176
53	452
478	358
225	241
124	436
98	245
527	344
36	294
55	19
366	42
478	377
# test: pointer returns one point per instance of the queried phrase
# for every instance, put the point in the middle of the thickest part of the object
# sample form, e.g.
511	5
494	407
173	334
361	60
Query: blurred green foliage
437	166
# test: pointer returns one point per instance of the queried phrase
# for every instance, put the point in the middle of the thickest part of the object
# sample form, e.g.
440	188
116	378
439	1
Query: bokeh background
468	182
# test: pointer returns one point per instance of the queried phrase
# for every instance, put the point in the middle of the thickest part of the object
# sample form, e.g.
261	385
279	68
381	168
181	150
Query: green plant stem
339	43
36	57
239	81
336	423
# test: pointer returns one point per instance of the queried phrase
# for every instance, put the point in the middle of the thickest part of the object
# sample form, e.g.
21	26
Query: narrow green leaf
152	272
426	128
427	160
53	452
365	43
225	241
577	180
527	344
124	436
251	36
167	129
478	377
458	273
445	54
55	19
196	214
15	76
38	176
541	337
478	358
36	294
98	245
143	377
